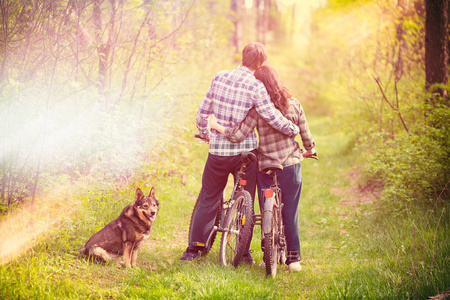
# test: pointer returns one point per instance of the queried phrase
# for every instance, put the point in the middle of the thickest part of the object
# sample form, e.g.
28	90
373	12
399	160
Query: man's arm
203	112
273	116
239	133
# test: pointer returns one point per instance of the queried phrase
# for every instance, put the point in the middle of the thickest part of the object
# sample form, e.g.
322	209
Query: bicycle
271	221
233	219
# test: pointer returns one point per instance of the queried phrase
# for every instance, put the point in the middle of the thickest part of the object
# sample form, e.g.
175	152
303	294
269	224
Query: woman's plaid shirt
231	95
274	147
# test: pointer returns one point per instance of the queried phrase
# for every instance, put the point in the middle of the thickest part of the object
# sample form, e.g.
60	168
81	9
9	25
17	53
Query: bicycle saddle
272	167
247	157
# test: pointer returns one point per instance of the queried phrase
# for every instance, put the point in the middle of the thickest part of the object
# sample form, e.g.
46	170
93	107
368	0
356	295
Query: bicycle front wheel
271	243
238	228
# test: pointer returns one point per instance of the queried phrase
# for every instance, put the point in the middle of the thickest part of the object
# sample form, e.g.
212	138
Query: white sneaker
295	267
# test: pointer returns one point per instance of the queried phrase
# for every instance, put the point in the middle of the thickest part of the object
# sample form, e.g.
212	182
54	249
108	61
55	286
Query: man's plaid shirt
274	147
231	95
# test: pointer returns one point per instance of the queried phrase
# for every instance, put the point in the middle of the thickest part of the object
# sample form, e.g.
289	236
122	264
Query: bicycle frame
272	232
272	198
272	227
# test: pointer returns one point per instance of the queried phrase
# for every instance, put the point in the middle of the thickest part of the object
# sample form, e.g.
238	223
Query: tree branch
390	104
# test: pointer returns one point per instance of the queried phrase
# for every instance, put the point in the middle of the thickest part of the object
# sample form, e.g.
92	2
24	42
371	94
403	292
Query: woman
277	148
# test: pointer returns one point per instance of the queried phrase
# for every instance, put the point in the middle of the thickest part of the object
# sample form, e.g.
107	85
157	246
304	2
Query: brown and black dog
124	235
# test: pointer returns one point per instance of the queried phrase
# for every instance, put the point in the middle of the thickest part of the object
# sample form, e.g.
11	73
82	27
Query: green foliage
413	167
371	80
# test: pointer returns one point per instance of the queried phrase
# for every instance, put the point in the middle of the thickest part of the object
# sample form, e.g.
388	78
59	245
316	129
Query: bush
413	167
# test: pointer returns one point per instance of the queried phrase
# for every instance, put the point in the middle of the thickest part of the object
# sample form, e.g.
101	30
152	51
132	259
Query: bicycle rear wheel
216	223
271	244
238	228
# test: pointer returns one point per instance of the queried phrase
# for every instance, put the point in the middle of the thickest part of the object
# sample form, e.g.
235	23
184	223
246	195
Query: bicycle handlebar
200	138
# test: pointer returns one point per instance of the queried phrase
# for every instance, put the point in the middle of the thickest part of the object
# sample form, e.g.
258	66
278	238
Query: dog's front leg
134	256
127	250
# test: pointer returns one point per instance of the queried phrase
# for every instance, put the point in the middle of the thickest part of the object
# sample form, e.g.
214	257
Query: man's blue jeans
290	182
214	180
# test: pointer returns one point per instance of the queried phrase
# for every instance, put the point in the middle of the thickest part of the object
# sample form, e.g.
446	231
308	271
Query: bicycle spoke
232	249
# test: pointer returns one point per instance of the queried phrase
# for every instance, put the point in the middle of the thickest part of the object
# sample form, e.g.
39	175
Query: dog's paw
121	263
126	264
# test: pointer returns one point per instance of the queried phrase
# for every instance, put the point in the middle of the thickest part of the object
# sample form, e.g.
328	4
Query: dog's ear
139	194
152	193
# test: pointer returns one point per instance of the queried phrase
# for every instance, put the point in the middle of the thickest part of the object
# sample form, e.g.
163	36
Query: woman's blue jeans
290	182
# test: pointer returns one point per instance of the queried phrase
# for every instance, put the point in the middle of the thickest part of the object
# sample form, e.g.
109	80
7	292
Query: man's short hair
254	55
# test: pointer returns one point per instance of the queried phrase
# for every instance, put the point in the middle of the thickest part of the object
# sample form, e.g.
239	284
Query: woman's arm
238	134
305	134
214	125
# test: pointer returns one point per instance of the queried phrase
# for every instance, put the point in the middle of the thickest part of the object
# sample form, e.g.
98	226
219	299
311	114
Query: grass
348	250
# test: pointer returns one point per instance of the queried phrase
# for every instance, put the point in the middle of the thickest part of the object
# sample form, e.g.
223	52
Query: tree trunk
448	33
262	8
104	49
4	33
436	42
259	20
266	20
101	48
236	8
292	29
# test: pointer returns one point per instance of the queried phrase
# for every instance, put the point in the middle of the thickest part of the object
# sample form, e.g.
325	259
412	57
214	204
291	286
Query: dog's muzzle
150	217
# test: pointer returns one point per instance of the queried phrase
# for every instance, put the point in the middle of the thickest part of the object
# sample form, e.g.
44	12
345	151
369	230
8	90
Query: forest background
98	97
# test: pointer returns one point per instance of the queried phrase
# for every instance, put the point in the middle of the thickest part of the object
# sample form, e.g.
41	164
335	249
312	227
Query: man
231	95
